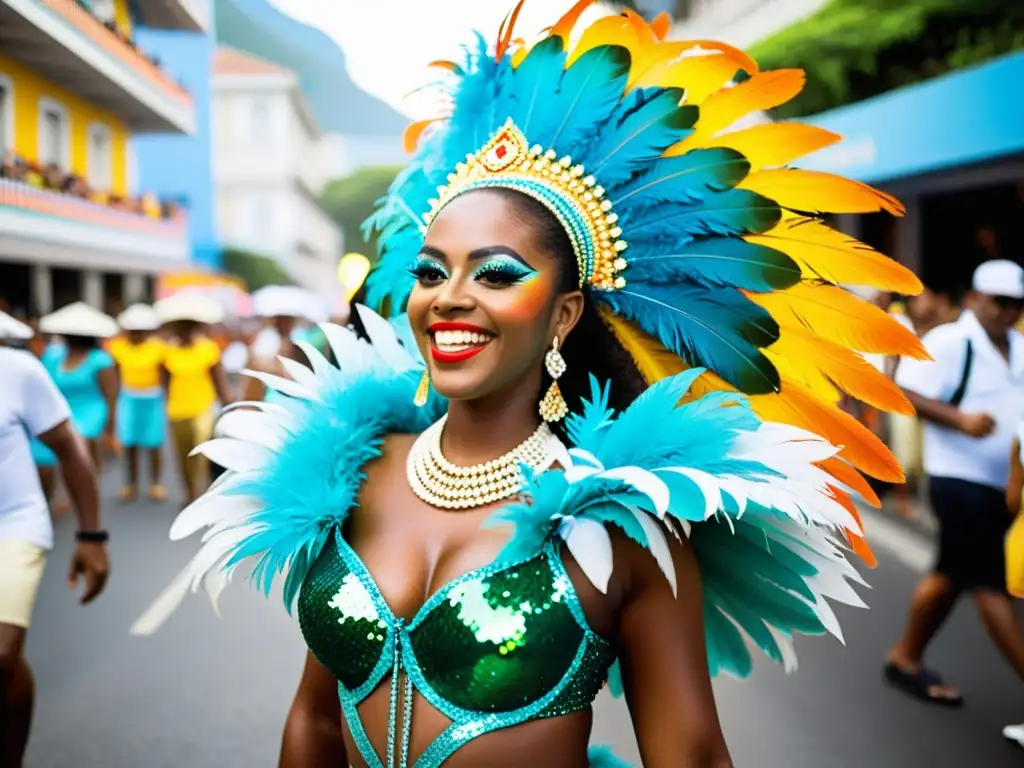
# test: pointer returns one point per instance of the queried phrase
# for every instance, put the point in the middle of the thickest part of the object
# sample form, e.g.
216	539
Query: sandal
157	492
127	493
917	684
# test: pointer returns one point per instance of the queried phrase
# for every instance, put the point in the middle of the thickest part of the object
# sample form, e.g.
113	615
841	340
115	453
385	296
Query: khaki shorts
21	570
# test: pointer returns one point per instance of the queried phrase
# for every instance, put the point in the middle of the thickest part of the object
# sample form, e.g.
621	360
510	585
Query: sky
389	43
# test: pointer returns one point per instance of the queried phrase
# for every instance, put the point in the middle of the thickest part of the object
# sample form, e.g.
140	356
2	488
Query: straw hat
139	317
13	329
186	305
79	319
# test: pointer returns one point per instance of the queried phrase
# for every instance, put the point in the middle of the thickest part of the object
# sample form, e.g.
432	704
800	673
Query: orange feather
764	90
858	543
795	405
774	144
564	26
851	478
451	66
816	191
661	25
505	31
824	253
413	132
840	317
802	352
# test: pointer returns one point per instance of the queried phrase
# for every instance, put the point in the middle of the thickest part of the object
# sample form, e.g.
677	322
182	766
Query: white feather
234	454
321	365
385	340
591	546
351	355
644	481
708	486
166	603
301	375
251	426
586	456
658	545
786	648
282	385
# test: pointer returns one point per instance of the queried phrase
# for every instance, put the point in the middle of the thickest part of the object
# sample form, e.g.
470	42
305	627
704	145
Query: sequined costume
709	261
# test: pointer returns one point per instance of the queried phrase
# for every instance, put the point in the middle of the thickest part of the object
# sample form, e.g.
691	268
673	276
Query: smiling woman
615	458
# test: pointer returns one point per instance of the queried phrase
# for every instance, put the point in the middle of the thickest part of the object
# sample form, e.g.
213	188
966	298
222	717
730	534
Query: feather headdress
716	254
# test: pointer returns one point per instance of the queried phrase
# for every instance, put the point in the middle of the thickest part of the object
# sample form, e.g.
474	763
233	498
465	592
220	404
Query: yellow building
74	88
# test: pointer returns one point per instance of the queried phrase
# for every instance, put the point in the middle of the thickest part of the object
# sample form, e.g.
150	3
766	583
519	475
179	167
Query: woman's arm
220	384
1015	485
110	386
312	733
664	661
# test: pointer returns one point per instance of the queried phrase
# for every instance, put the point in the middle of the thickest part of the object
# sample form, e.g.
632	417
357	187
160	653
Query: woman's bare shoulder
389	467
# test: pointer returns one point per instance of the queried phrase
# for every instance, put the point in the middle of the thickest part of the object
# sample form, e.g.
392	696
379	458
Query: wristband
92	537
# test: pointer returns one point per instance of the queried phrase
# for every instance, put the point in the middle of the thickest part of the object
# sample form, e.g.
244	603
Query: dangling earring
423	390
553	407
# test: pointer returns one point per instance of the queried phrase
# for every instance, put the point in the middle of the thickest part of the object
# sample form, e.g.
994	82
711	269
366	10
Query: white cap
79	319
13	329
999	277
188	305
139	317
289	301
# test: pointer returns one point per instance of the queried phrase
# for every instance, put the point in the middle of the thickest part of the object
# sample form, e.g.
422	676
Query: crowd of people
51	177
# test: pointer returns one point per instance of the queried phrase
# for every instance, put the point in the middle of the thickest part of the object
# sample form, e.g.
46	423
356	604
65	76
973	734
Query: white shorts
21	570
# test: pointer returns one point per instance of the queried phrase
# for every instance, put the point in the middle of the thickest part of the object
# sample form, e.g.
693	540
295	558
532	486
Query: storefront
952	149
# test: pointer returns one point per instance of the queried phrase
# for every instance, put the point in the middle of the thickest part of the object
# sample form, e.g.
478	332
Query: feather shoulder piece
295	466
765	521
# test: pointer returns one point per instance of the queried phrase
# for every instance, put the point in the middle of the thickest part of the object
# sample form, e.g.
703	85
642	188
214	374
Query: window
99	158
6	114
260	120
54	140
262	222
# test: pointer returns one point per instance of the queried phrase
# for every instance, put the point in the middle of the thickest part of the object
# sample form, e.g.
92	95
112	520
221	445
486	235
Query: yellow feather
609	30
764	90
824	253
699	76
809	359
840	317
816	191
653	361
774	144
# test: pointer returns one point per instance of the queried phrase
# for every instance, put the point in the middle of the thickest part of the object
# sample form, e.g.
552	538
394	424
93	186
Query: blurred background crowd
182	184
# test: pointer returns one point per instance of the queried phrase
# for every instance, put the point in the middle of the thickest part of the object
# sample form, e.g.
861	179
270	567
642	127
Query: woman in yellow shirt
141	421
195	381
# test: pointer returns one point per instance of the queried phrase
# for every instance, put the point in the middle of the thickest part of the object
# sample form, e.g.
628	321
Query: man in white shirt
971	399
31	406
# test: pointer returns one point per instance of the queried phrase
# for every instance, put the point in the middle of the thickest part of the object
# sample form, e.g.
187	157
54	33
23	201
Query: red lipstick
463	354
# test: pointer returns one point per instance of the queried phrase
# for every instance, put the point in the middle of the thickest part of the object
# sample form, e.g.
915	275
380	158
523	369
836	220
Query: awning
959	119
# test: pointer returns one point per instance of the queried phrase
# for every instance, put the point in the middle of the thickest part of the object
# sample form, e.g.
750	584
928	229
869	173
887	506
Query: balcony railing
82	17
18	194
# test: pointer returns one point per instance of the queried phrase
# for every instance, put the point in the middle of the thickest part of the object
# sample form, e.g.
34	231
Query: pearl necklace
447	486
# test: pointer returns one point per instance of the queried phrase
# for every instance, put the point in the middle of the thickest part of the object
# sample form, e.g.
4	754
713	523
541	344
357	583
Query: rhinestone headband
507	162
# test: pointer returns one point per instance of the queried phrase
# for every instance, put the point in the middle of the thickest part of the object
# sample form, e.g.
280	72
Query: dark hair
81	342
592	348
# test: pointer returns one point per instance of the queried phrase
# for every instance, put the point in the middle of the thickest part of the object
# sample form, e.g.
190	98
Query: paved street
212	693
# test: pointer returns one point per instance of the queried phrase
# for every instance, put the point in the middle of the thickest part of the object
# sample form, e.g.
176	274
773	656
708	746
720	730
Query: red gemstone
501	152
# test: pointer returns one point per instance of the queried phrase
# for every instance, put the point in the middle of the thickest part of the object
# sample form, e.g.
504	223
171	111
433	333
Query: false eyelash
503	273
426	269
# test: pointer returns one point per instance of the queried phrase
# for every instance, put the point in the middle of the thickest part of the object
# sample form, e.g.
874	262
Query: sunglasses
1009	302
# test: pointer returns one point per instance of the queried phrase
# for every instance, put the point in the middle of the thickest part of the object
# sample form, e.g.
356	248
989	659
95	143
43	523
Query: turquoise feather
534	78
735	212
721	330
718	262
650	121
591	86
685	179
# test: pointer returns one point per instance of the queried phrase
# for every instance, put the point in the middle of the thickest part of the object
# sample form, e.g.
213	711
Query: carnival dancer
195	381
141	416
85	375
618	460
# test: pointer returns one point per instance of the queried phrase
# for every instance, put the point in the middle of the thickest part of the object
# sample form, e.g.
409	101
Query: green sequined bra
495	647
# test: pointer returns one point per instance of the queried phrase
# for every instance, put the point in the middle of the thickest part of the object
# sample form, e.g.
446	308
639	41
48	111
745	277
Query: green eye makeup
503	270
